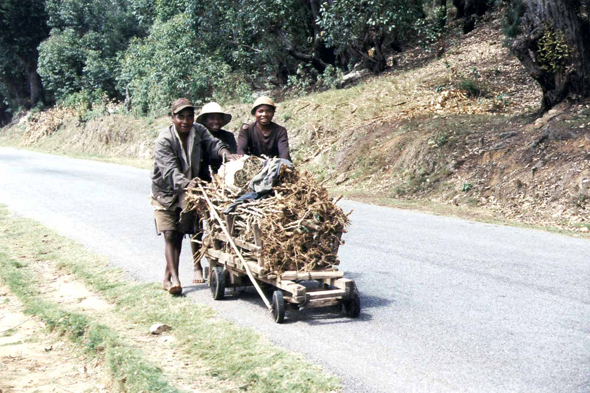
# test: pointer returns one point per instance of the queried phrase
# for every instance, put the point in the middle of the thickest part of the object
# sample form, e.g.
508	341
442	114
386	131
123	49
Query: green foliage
473	87
330	77
84	45
430	29
362	25
23	25
61	62
466	187
168	64
441	139
553	50
513	12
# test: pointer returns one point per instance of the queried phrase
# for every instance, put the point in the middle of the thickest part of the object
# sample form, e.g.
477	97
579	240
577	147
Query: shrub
168	64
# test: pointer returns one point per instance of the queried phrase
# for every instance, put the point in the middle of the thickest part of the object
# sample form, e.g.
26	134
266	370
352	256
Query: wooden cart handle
231	242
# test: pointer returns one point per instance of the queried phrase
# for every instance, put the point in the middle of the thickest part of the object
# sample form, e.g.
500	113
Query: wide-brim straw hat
213	107
262	101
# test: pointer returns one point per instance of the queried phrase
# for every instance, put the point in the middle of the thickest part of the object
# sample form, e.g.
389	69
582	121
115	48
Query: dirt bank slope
453	124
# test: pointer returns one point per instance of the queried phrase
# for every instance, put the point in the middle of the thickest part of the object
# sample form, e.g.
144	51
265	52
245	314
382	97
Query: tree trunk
442	13
473	8
326	55
316	62
35	85
554	48
460	6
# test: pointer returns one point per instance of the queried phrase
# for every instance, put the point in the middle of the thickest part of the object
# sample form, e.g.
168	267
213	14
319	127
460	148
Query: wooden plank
342	283
297	290
291	275
315	303
255	268
222	257
229	221
239	243
258	242
330	293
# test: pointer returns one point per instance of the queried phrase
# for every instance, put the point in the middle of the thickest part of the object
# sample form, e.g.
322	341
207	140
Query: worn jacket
168	177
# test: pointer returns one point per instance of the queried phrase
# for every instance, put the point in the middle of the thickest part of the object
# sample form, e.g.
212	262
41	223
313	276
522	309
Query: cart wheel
217	283
352	306
278	306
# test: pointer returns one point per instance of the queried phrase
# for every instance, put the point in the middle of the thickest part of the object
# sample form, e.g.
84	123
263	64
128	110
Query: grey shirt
173	169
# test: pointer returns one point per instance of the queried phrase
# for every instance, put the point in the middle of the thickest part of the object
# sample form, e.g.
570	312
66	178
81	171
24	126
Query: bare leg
198	276
172	250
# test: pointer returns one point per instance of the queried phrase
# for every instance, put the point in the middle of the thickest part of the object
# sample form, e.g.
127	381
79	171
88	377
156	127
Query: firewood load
299	226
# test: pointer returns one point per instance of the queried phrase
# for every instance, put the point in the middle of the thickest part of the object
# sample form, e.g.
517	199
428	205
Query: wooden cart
230	269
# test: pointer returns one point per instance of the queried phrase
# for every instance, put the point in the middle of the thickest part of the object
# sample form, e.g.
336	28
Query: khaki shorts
175	220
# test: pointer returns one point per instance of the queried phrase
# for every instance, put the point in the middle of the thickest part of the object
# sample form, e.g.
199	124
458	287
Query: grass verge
125	363
231	353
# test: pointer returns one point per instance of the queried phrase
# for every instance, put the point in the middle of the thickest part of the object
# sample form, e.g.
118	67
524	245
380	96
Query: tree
468	9
366	27
169	64
550	38
23	25
86	40
273	29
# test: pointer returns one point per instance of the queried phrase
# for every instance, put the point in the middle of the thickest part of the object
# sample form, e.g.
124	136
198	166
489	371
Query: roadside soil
33	360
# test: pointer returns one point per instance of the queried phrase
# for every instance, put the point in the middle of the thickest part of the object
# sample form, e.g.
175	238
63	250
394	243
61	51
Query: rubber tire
352	307
278	306
217	284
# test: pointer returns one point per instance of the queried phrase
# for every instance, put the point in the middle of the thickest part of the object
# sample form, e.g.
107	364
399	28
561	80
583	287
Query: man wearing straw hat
214	118
263	136
177	162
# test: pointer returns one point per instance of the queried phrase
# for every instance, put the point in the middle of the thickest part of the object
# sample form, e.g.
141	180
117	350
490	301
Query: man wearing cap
263	136
214	118
177	162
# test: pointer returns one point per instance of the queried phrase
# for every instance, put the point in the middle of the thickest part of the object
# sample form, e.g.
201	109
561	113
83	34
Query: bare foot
175	288
198	278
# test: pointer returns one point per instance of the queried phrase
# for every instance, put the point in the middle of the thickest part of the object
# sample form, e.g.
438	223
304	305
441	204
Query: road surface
448	305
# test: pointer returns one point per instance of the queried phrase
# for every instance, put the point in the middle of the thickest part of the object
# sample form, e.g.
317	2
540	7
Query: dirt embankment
466	134
454	124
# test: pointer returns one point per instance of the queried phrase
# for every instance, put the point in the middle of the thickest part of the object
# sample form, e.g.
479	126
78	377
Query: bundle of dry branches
298	226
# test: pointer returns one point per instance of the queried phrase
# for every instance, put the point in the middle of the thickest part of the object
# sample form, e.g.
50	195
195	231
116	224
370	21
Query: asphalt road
448	305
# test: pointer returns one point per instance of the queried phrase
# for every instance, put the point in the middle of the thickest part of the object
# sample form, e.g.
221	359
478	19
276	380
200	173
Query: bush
169	64
61	63
473	88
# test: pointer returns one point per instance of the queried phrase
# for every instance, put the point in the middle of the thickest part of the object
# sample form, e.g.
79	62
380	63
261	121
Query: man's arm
283	144
243	137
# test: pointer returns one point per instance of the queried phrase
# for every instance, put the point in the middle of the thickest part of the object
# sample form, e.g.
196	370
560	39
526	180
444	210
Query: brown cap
264	100
180	104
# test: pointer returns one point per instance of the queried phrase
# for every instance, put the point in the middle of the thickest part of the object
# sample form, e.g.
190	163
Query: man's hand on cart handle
193	183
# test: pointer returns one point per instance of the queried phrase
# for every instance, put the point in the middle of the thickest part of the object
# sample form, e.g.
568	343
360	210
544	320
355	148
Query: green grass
230	352
127	364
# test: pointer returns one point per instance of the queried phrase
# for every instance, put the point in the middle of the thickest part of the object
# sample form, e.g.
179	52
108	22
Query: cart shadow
313	316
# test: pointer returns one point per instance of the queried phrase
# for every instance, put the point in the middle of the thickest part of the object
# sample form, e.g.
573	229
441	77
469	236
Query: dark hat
180	104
